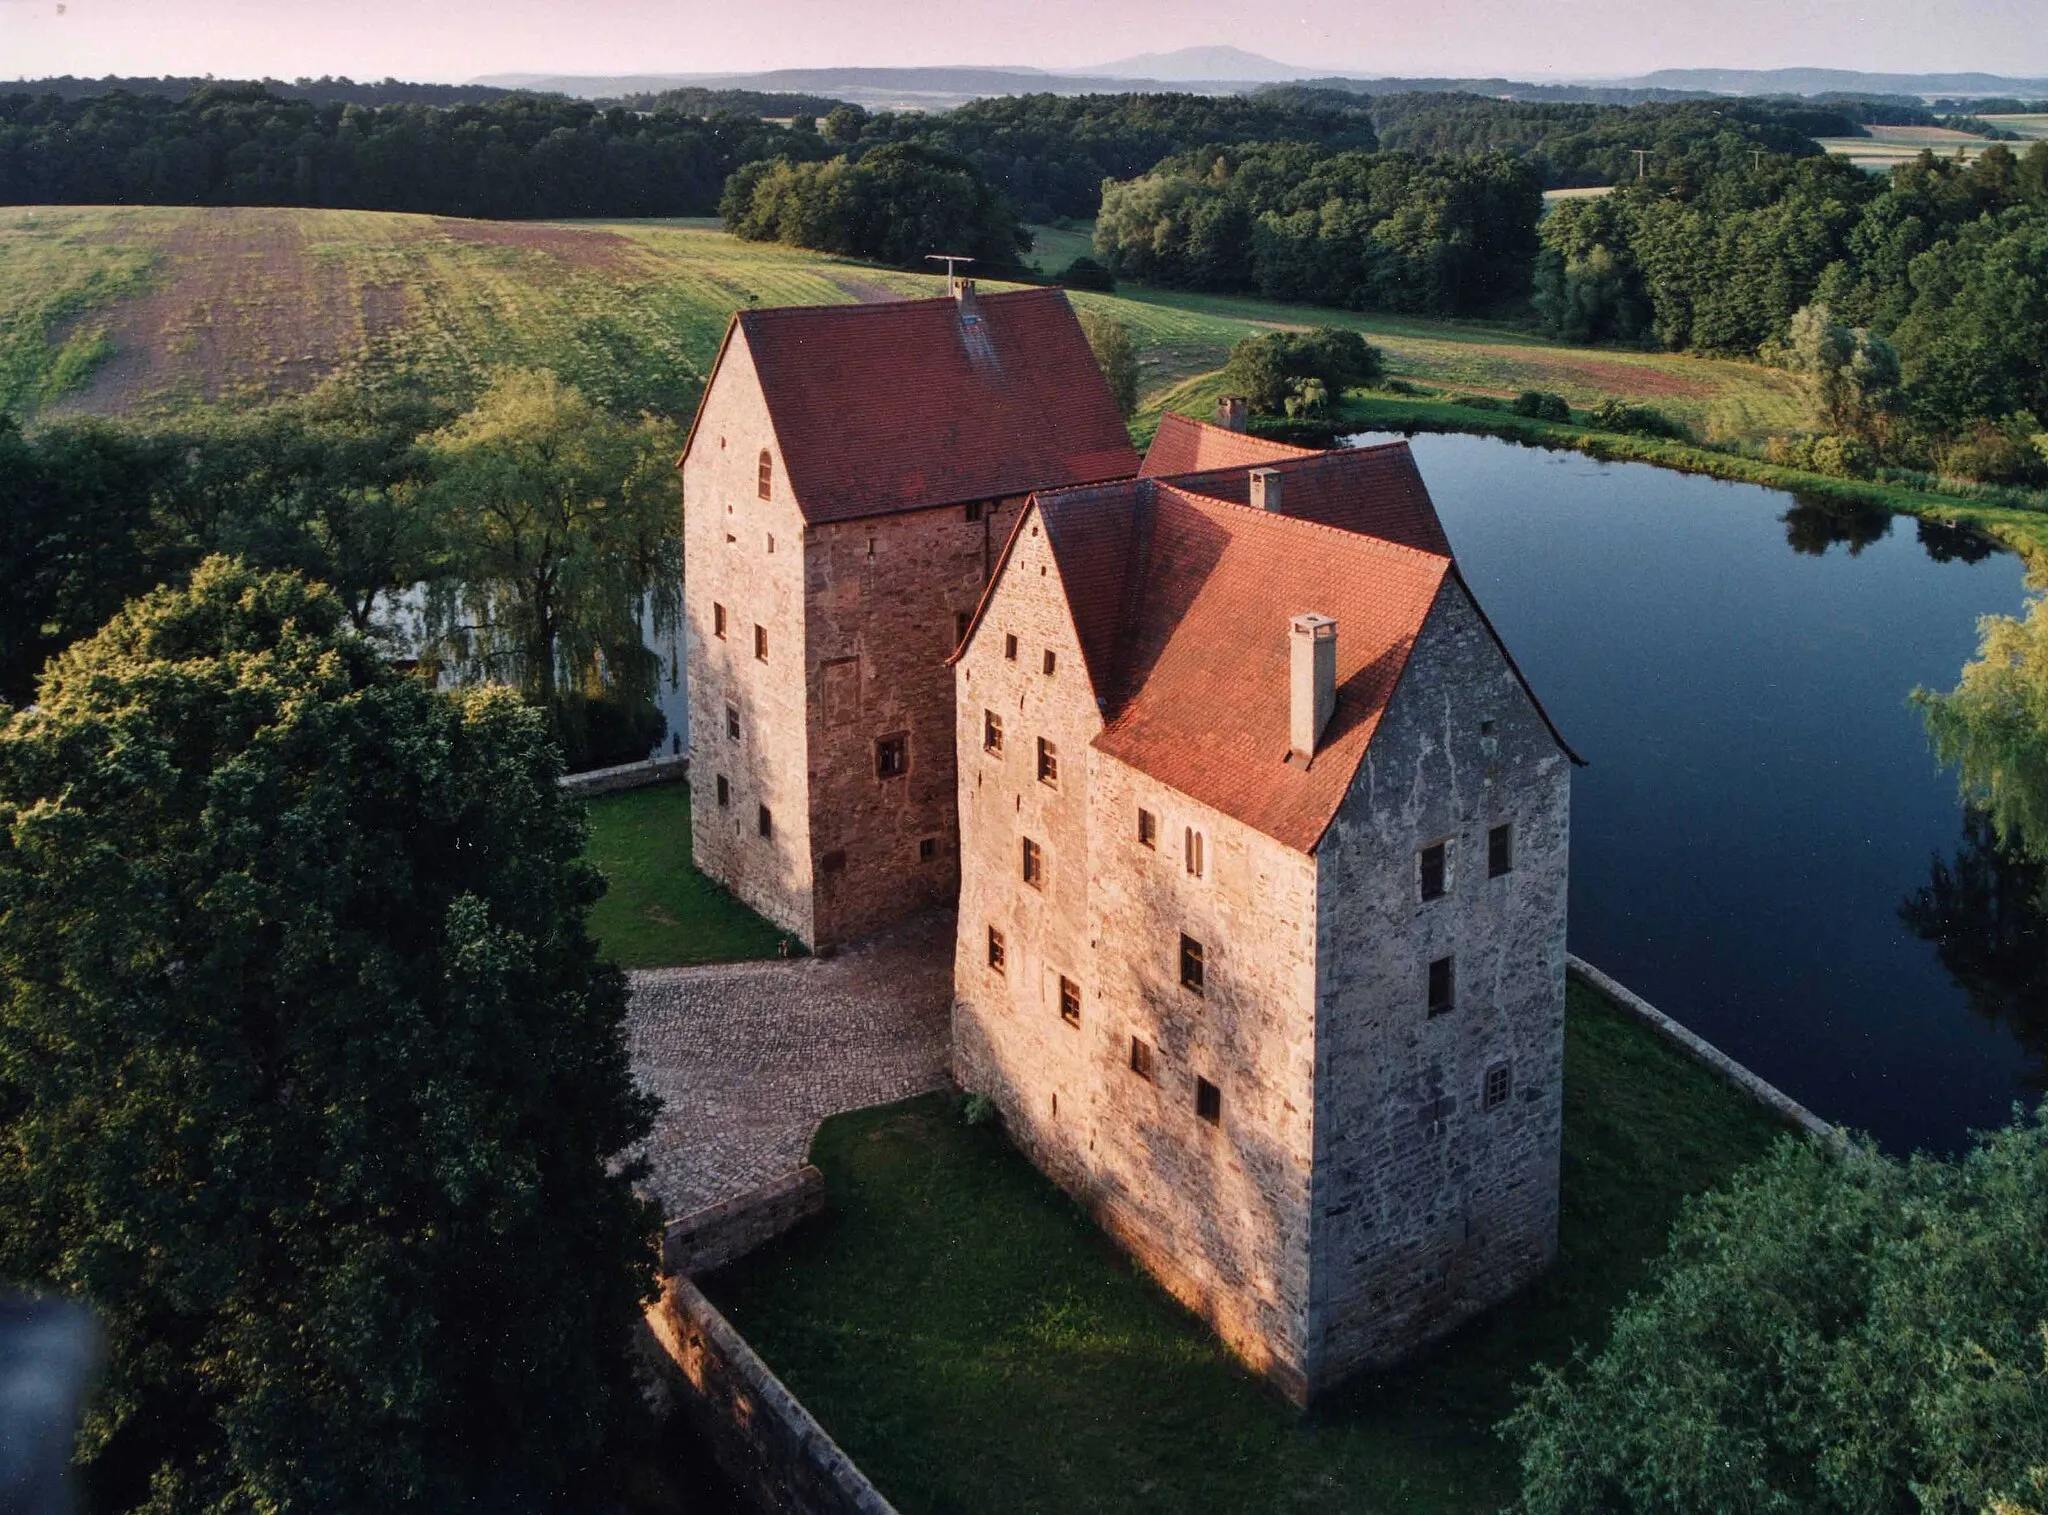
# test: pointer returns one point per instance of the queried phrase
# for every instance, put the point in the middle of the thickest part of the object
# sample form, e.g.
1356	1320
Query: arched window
767	475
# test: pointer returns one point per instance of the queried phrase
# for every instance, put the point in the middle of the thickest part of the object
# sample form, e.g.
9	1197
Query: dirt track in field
600	251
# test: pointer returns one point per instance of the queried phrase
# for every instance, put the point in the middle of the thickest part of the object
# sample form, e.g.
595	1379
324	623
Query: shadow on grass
965	1332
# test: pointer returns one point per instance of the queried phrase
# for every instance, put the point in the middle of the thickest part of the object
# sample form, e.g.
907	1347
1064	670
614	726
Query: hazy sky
458	39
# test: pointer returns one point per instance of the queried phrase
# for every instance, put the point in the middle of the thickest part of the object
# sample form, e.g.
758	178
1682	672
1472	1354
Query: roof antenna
952	278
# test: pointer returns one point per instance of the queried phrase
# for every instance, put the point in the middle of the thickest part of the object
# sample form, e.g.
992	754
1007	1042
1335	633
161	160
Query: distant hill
1187	64
325	91
1825	81
875	88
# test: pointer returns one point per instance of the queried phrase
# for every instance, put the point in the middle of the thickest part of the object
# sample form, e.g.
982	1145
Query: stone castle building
1258	838
852	473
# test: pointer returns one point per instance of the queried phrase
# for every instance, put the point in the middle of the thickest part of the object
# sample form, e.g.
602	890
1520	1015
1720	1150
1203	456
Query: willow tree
1993	726
564	530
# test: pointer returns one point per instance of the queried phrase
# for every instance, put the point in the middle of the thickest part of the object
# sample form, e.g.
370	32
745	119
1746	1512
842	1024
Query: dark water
1761	800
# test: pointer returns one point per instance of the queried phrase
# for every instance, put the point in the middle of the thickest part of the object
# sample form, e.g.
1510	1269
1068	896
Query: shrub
1115	354
1637	420
1839	457
1997	452
1541	405
1266	369
978	1110
1085	273
1479	402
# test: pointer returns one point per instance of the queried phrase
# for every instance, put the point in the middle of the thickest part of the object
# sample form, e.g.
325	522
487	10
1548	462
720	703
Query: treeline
326	90
521	542
697	100
526	155
1915	300
1050	153
1369	231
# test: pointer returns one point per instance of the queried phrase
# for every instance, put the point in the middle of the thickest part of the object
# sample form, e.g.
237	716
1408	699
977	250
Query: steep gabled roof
1181	600
1185	445
1373	490
897	406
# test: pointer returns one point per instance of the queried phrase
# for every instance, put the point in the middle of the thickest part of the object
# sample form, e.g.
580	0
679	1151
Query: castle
1258	837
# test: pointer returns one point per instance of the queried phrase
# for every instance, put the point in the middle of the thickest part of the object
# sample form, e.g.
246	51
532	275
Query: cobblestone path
747	1058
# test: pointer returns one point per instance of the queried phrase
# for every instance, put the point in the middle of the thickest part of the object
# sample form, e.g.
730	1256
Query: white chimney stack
1312	680
1231	411
1266	489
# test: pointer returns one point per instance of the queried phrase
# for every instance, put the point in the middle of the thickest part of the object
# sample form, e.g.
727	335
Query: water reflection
1813	525
1954	544
1983	913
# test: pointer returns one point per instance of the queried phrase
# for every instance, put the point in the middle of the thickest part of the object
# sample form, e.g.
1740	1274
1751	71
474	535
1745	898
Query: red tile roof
1181	598
1185	445
1374	490
889	407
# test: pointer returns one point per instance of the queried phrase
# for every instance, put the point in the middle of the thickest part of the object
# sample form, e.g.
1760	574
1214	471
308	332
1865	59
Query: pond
1763	845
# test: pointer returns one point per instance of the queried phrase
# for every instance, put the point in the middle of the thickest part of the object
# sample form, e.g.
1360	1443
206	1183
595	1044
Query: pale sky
454	40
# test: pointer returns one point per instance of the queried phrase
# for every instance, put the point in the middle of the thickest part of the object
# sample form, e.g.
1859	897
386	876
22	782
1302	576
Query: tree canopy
1283	371
311	1080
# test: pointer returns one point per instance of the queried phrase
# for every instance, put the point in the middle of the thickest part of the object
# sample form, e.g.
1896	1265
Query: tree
1833	1332
1993	727
1270	369
1110	340
311	1080
564	531
1855	372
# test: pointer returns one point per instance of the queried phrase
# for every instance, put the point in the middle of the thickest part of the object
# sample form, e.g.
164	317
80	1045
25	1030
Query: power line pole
1642	165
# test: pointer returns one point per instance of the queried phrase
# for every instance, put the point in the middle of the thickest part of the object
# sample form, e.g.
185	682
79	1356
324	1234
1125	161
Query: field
2033	128
1887	146
965	1333
146	312
659	911
1054	247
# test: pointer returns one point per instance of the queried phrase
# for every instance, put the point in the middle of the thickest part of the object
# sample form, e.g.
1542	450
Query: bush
1541	405
1115	354
1636	420
978	1110
1994	452
1839	457
1269	370
601	731
1834	1333
1085	273
1479	402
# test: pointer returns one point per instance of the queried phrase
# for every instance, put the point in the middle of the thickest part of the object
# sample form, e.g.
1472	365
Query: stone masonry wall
1218	1212
1009	1039
746	554
1428	1206
886	598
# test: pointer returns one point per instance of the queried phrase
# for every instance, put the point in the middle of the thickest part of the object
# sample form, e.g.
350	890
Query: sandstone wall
727	560
885	600
1429	1207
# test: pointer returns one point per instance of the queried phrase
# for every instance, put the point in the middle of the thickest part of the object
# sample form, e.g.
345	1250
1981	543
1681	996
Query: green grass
977	1346
1054	247
659	911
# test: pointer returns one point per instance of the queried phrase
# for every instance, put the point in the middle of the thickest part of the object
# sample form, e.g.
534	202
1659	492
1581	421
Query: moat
1761	799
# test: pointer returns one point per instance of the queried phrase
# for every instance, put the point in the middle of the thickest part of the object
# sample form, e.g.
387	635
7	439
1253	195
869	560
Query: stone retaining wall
655	770
762	1438
1706	1054
722	1233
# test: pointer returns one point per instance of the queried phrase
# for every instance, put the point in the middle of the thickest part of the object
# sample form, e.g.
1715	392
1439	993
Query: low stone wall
1706	1054
656	770
722	1233
762	1438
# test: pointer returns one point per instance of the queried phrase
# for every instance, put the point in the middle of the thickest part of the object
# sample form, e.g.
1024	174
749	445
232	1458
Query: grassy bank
659	911
969	1337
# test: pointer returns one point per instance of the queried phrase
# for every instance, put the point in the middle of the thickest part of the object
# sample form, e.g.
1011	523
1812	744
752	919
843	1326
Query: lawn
977	1346
1054	247
659	911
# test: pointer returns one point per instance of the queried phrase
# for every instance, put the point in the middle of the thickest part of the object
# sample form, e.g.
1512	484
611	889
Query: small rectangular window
1034	864
724	791
991	732
892	756
1070	1001
1051	661
1192	848
1141	1058
1048	763
1442	986
761	643
718	622
1500	850
732	723
1208	1101
766	475
1433	871
998	956
1192	965
927	849
764	822
1498	1085
1148	829
771	541
973	511
1010	646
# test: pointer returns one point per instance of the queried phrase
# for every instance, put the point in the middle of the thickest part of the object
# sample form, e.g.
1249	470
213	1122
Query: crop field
149	311
1887	146
2033	128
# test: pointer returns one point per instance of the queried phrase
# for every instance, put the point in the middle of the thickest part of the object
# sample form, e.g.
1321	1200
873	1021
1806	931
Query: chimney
963	295
1266	489
1312	680
1230	412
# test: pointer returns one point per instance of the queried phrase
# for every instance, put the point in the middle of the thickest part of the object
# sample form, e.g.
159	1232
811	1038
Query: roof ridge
1276	517
1309	457
751	313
